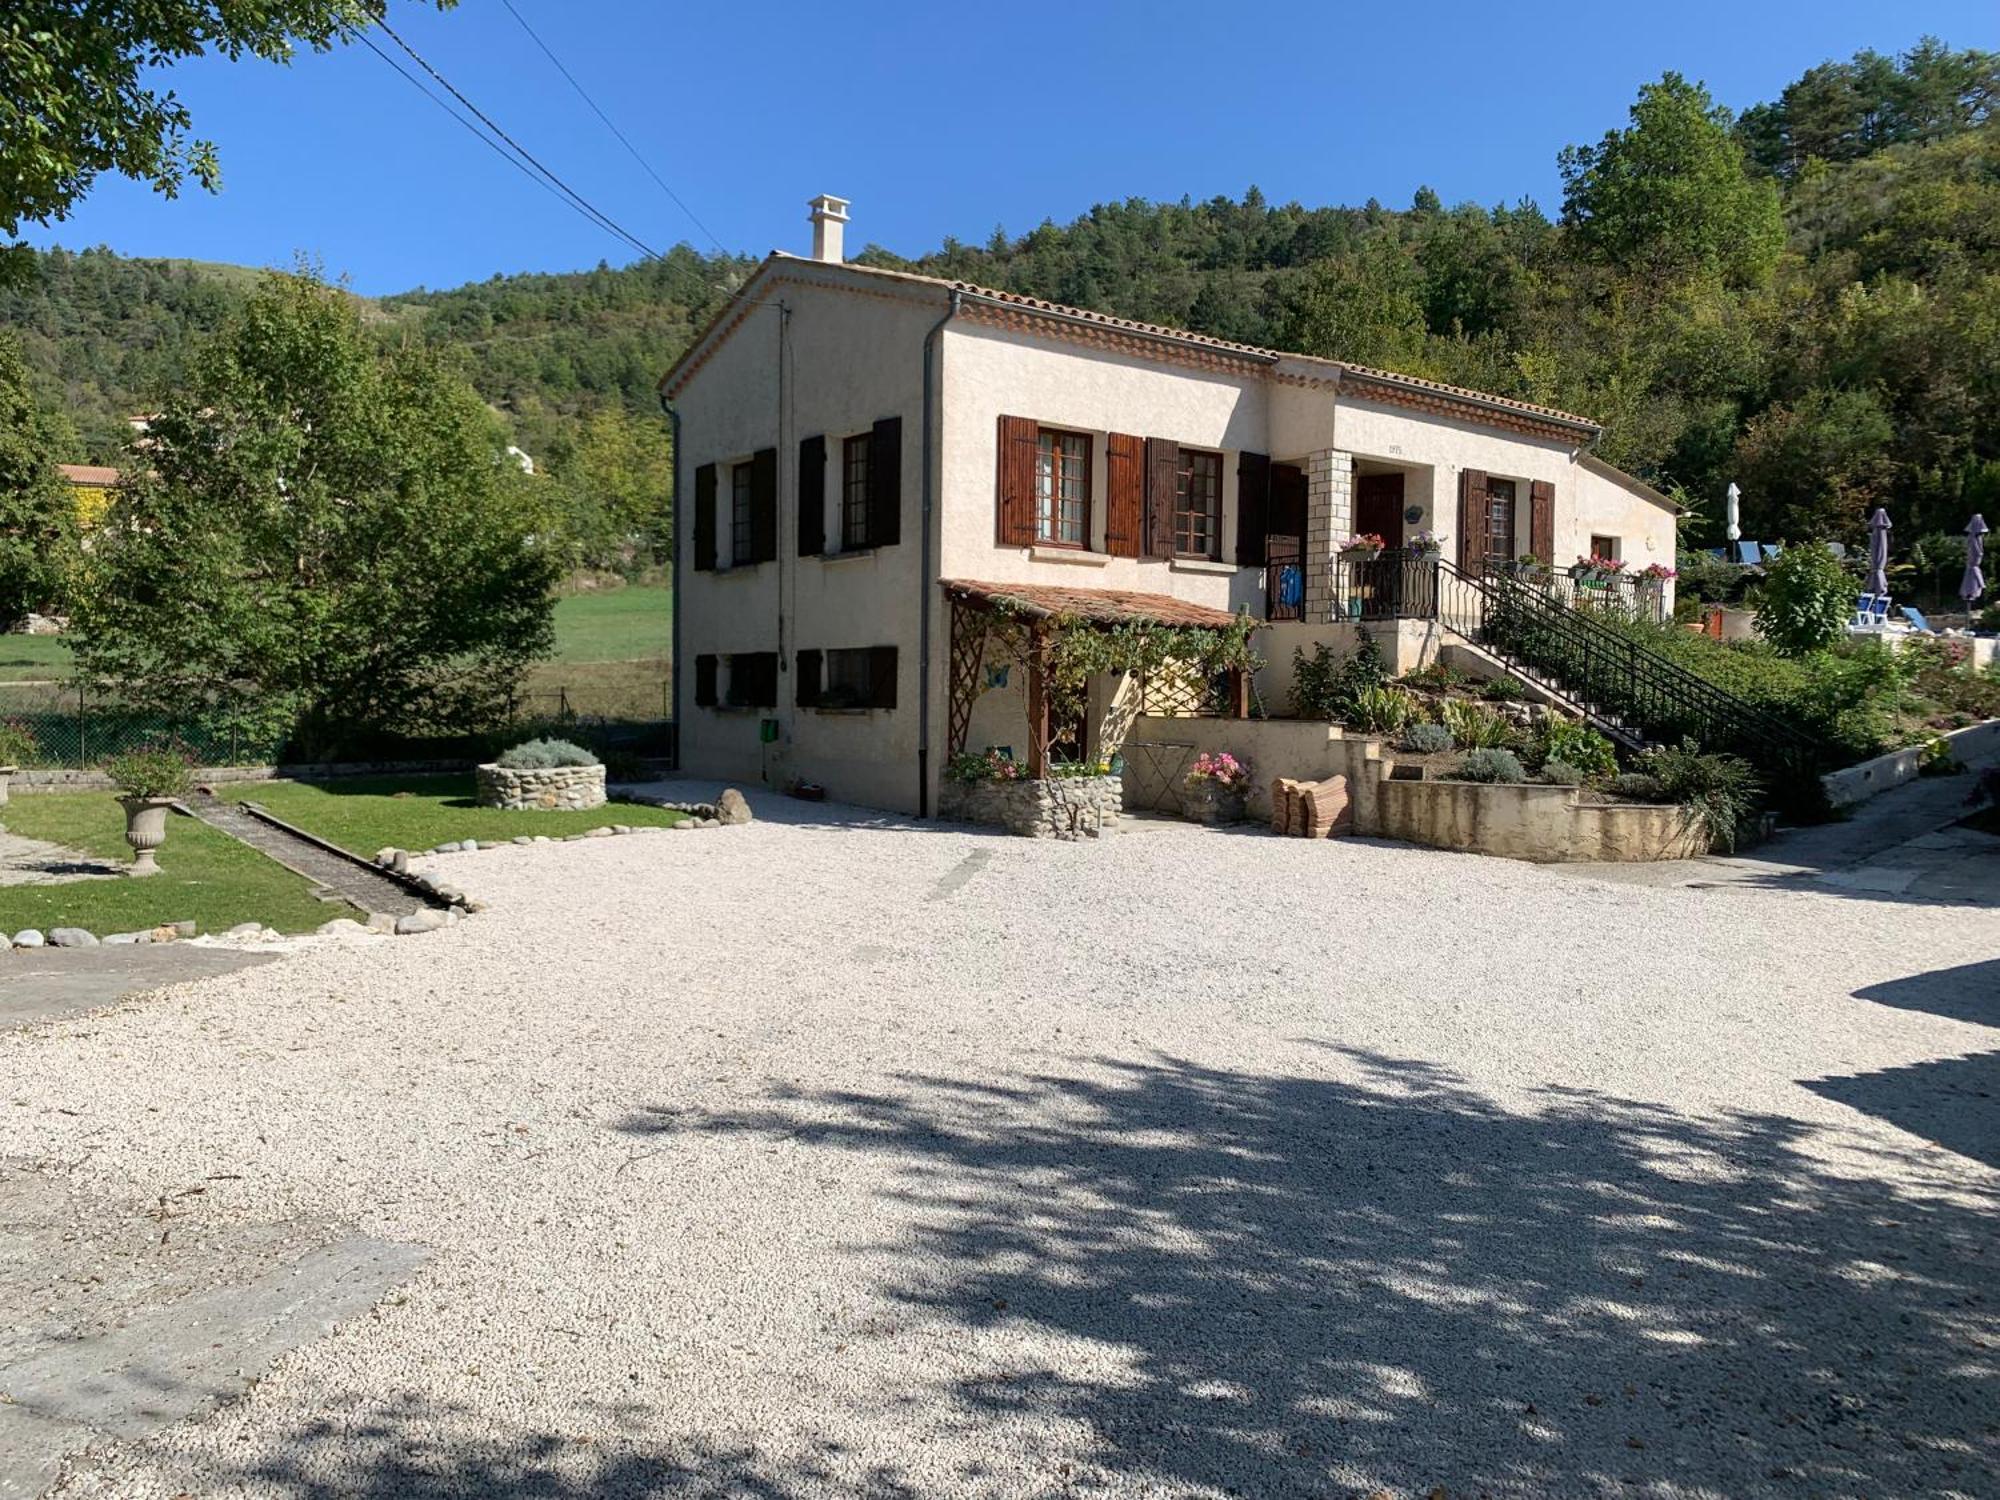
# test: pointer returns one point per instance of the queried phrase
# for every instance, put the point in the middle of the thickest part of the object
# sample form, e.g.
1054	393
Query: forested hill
1805	298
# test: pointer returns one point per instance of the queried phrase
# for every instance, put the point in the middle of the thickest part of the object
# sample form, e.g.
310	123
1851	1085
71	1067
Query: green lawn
625	624
366	813
204	875
33	657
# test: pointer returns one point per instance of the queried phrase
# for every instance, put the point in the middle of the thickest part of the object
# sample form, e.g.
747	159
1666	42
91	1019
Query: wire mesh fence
74	726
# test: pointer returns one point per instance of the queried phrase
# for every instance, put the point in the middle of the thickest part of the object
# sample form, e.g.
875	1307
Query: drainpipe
926	585
674	600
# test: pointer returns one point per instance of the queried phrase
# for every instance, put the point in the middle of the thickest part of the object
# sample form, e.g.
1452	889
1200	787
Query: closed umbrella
1732	526
1878	551
1974	583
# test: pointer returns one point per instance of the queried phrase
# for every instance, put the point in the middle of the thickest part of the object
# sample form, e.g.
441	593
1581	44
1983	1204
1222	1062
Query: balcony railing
1398	584
1284	578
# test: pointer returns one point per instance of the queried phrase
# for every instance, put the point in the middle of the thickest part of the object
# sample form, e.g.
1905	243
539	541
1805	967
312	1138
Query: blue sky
933	125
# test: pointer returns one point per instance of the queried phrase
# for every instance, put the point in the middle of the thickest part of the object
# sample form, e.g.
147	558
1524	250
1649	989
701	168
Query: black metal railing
1622	684
1395	584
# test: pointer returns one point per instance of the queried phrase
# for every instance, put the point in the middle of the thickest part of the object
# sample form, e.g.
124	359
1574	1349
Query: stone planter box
557	789
1208	802
1059	807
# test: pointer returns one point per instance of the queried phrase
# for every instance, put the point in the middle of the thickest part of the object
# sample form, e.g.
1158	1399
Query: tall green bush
1808	600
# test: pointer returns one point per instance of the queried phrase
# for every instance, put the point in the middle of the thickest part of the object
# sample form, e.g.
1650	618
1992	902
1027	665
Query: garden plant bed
363	814
205	876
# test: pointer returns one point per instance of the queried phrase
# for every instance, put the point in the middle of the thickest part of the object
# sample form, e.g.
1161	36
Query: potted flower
1362	545
1216	784
1530	568
1595	569
150	779
16	746
1425	544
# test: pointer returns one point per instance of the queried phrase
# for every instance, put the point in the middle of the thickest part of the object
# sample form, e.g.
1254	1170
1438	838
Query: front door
1288	502
1378	507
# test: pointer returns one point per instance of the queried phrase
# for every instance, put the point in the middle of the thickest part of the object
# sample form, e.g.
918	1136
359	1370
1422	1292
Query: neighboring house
859	447
92	485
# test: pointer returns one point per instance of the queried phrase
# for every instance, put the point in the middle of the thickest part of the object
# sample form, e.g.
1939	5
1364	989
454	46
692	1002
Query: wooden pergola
1022	620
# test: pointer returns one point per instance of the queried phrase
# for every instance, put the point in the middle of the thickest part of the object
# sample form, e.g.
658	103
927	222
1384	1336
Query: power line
583	204
584	94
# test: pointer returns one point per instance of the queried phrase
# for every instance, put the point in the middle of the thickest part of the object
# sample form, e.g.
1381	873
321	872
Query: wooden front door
1378	507
1288	502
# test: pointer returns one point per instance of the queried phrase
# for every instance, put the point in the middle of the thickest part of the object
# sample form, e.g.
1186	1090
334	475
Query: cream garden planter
145	831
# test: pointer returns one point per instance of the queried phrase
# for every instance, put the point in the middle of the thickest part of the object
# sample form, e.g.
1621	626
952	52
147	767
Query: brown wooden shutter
1542	520
1015	515
1125	495
806	685
704	681
764	505
1472	519
881	676
1253	508
1163	468
812	496
885	483
704	519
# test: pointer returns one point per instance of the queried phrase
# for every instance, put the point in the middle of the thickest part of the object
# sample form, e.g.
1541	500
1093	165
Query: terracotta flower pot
145	830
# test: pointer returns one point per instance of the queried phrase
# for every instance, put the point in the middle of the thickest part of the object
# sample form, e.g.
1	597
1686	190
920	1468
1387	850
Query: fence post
82	729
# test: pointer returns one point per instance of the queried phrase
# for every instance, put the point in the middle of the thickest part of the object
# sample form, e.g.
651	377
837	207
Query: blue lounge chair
1864	611
1917	621
1879	615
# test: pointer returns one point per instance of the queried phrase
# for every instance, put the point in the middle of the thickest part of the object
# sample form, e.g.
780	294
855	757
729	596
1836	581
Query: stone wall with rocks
546	789
1058	807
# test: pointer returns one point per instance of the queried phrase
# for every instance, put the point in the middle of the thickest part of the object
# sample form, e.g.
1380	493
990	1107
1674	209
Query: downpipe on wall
926	585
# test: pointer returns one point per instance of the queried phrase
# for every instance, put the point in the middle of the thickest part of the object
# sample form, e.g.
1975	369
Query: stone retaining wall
1057	807
59	779
549	788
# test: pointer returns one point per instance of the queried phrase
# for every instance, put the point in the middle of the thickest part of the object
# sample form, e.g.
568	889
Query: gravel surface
833	1158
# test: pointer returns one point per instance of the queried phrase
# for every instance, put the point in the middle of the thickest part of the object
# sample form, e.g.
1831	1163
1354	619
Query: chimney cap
827	206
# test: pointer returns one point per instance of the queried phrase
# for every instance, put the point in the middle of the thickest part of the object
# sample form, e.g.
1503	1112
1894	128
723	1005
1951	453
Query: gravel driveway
838	1158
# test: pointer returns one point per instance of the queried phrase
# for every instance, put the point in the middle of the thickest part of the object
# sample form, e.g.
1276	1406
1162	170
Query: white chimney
829	222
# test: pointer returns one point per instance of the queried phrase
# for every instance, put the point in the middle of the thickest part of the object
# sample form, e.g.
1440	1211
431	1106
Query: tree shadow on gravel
1310	1287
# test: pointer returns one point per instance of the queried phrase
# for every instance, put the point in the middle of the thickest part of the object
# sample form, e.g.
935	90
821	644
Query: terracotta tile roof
88	474
1464	393
1104	320
1099	606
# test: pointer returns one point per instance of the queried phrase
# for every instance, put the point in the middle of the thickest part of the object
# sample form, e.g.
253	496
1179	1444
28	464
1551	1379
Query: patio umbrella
1733	526
1878	551
1974	583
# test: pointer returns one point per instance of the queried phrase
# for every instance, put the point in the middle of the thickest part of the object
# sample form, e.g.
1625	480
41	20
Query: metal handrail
1659	695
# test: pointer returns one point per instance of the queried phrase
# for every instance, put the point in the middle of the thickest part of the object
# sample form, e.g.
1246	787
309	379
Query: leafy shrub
17	745
159	768
989	765
1491	765
1808	600
1380	710
1562	773
1474	727
1719	793
1436	678
1638	786
1324	686
1715	580
1577	745
545	755
1508	689
1426	738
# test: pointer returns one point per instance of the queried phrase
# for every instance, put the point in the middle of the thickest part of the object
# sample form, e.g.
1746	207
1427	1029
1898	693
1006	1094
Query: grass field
365	813
204	875
628	624
31	657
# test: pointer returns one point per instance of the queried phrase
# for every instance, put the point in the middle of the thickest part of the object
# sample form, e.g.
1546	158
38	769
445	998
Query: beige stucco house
855	447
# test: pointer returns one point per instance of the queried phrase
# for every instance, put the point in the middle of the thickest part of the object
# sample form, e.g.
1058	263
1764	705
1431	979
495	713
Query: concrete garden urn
145	830
6	773
1209	801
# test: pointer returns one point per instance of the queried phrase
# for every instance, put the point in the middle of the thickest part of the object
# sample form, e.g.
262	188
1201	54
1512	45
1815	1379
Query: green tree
1670	194
323	537
1367	310
1814	467
617	485
77	98
37	510
1808	600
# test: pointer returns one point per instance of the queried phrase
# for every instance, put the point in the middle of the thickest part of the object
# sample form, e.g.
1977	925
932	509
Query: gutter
933	359
1083	320
674	601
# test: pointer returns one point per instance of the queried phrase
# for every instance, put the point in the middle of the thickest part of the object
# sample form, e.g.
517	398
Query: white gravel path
843	1159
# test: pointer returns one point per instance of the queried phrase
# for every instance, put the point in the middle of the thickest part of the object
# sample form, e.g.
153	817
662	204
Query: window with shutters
1198	504
856	677
854	493
753	680
742	526
1062	488
1610	548
1499	529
